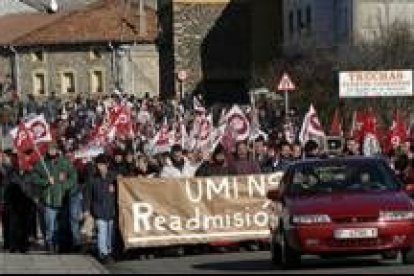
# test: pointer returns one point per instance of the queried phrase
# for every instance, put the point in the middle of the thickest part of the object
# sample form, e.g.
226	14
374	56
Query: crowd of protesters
60	200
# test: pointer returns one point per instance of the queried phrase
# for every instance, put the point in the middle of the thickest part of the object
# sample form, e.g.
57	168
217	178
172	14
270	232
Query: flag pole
42	160
2	137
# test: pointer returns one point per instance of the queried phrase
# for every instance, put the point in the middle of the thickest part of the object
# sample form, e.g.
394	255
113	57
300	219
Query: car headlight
396	215
311	219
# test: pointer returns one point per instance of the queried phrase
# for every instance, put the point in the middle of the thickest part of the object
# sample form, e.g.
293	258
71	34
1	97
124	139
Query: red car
342	207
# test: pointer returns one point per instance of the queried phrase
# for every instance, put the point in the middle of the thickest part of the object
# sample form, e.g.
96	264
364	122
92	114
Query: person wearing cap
102	202
57	179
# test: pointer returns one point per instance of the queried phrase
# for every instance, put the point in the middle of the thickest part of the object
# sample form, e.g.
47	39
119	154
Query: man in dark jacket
5	172
119	166
19	194
102	205
311	149
275	162
217	166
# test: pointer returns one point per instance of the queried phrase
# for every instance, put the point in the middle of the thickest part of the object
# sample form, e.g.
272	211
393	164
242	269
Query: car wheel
408	256
390	255
289	257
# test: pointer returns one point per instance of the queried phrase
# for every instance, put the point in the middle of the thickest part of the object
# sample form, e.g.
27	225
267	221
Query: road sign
182	75
286	84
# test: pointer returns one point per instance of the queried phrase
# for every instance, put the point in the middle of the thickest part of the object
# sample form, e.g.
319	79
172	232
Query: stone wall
137	70
222	44
56	61
211	41
141	74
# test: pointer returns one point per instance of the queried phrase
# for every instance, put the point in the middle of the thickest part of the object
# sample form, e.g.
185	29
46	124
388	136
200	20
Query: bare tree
316	72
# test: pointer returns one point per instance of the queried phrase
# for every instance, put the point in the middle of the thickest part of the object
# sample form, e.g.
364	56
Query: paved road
255	263
35	263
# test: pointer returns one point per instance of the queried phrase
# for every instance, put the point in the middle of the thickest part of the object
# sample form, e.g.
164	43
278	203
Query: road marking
262	234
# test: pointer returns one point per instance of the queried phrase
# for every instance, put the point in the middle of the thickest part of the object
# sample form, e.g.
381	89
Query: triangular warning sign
286	84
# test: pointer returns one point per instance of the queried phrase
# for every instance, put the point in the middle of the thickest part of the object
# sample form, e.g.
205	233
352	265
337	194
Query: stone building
92	50
222	45
326	24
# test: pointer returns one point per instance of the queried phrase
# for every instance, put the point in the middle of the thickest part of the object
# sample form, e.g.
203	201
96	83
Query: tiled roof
106	21
14	26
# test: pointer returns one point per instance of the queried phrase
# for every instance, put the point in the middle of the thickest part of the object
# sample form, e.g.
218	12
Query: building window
300	22
97	81
346	21
68	83
95	54
309	18
39	84
291	23
38	56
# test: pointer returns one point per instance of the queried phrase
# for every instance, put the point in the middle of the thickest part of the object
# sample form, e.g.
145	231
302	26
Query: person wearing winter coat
242	164
102	203
5	173
178	166
56	185
216	166
19	195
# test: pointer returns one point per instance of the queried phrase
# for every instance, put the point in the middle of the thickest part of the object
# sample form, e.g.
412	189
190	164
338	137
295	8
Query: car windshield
342	177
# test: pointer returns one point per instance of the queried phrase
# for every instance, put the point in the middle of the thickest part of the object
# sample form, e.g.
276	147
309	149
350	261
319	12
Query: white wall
13	6
372	14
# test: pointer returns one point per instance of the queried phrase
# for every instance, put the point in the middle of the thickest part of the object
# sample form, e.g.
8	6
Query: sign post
286	85
182	77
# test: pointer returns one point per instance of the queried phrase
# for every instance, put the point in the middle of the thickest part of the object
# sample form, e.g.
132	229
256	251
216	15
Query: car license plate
362	233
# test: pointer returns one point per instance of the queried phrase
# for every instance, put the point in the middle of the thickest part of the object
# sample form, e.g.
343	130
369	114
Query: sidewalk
49	264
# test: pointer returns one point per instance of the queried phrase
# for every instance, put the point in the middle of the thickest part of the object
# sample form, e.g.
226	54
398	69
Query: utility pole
142	19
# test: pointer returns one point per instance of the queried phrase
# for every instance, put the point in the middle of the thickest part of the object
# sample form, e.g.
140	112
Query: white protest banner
366	84
89	152
165	212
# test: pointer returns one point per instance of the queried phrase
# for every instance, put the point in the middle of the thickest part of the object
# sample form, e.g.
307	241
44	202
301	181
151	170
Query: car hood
349	204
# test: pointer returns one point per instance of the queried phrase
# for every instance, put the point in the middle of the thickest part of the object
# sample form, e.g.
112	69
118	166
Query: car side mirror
274	195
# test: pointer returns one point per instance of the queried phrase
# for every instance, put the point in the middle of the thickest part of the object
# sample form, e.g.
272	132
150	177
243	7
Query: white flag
311	127
239	123
39	128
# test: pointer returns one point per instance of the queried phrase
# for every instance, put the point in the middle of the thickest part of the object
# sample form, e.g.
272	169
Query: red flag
336	126
357	126
23	142
311	126
100	135
162	140
370	125
122	122
228	140
397	133
370	132
40	129
239	123
23	139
